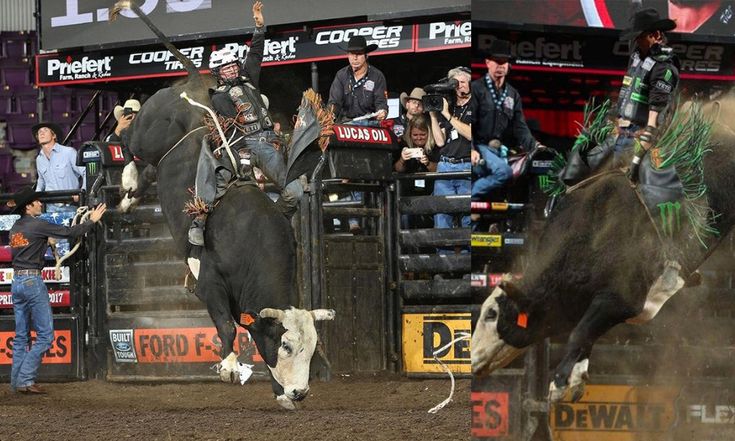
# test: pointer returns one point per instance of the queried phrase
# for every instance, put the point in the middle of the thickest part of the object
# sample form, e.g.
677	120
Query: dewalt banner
616	413
424	333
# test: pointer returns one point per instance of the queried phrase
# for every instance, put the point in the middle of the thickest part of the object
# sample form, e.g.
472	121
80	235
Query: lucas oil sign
425	333
616	413
370	135
174	345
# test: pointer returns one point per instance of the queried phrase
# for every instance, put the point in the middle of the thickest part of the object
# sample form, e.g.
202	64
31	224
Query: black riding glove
635	166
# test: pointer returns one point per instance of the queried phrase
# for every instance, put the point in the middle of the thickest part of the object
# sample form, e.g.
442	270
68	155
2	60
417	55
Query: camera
416	153
445	88
127	111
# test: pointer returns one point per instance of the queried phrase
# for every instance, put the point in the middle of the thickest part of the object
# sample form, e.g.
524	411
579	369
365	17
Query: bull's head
500	335
289	346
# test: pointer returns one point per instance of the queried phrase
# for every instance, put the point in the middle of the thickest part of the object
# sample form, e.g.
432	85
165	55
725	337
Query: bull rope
177	144
440	406
81	215
222	136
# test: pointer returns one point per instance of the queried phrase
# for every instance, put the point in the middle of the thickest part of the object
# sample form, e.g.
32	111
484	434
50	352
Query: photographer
124	115
498	122
452	132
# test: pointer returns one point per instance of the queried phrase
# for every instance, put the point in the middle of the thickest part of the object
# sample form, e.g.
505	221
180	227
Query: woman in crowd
418	153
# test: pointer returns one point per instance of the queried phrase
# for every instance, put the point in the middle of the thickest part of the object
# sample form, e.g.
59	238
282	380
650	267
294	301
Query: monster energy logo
543	181
92	168
670	217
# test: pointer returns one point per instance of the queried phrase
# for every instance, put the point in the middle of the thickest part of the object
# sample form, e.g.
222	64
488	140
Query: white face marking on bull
297	347
489	351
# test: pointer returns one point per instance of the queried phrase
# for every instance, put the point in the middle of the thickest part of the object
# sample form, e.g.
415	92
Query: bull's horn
273	313
119	6
514	293
323	314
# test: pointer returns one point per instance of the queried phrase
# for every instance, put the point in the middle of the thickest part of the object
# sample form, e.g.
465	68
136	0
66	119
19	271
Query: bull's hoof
286	402
575	383
228	376
577	393
227	369
556	393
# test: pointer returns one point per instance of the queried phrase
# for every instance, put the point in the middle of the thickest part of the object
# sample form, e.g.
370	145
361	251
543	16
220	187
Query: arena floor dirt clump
346	408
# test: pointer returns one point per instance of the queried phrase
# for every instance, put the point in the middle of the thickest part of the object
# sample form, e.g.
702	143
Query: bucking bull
600	262
248	267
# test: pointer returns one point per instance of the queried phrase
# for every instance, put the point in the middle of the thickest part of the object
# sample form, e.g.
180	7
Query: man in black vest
358	89
238	98
648	85
498	122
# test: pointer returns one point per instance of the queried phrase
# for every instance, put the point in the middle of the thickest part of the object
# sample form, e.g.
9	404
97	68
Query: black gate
432	274
349	269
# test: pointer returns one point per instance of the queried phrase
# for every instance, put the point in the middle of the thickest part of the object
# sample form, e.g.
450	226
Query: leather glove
634	168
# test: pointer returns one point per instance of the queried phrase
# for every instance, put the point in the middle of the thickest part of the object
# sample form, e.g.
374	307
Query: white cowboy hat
416	94
134	105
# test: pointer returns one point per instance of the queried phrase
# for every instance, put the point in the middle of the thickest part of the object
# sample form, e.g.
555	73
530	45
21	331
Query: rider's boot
196	231
291	195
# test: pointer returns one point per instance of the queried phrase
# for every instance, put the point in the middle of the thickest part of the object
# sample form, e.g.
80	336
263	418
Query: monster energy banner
549	51
283	48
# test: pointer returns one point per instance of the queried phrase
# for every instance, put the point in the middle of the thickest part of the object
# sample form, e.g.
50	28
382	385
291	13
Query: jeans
271	162
32	311
623	143
494	174
444	187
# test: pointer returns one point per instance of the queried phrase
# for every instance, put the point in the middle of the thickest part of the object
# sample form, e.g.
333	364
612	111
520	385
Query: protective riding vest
633	102
244	102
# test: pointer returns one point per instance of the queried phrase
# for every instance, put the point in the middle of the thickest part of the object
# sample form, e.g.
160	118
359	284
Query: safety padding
361	152
106	154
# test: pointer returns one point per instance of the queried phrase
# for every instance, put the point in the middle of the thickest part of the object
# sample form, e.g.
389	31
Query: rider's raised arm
257	46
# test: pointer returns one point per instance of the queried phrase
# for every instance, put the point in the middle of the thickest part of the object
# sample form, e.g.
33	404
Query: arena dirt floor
346	408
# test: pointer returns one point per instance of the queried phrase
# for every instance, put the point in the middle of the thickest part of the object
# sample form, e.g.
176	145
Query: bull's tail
130	4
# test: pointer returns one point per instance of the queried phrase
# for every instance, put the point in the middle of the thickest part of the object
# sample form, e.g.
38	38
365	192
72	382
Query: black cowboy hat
647	20
498	49
359	44
54	128
21	198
